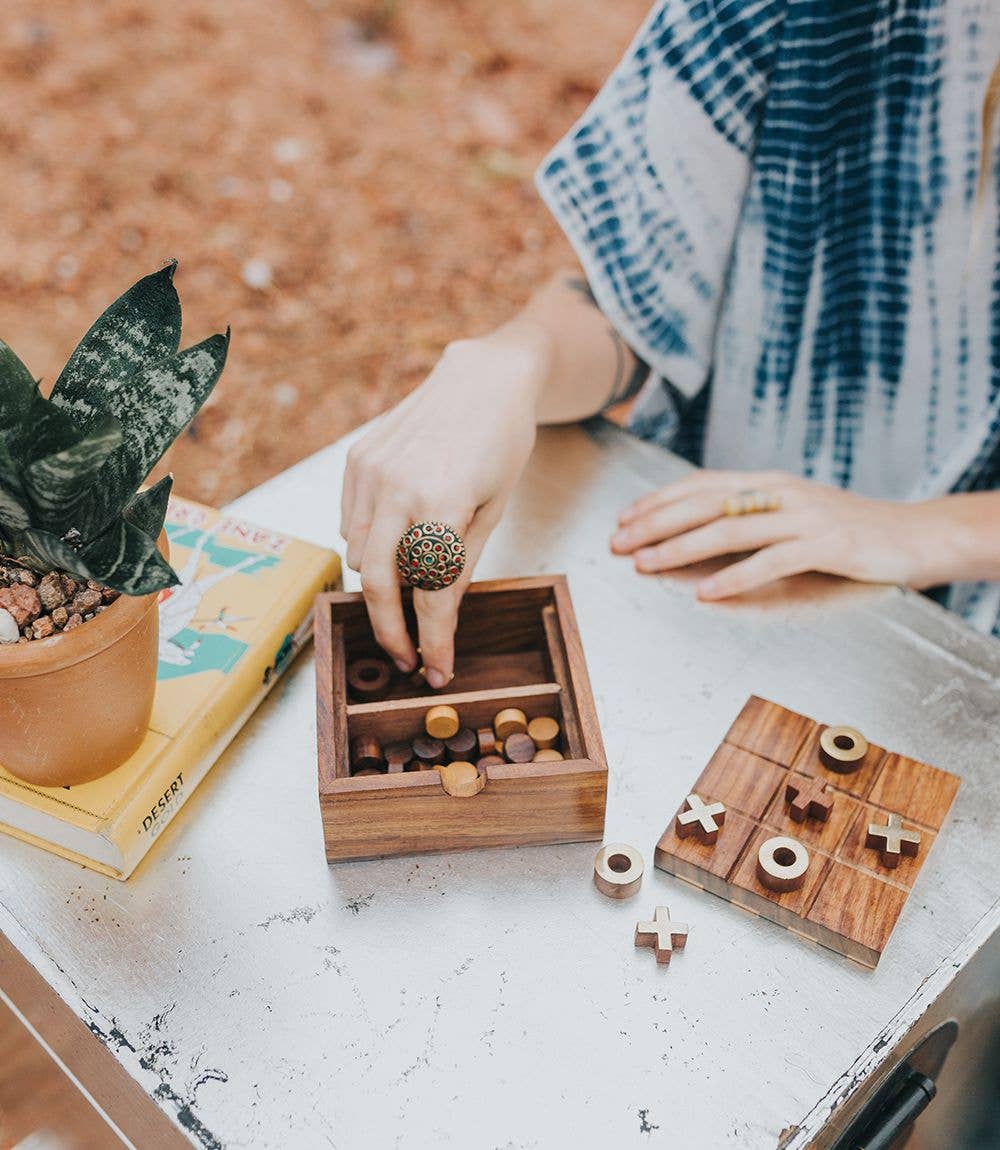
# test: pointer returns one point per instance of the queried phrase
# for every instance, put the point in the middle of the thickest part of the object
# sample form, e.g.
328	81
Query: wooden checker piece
849	899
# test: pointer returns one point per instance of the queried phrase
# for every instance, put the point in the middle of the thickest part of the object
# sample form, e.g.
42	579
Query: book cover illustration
239	614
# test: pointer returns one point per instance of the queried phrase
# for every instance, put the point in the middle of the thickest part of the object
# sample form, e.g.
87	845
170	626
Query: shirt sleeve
648	185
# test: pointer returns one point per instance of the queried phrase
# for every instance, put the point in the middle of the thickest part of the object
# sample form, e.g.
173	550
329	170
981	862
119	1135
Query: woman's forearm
961	538
579	363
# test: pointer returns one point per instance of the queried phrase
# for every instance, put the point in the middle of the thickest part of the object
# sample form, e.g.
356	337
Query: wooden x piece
662	935
808	798
701	819
892	841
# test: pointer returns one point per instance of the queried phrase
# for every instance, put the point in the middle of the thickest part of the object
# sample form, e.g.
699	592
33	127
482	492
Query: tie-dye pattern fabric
774	201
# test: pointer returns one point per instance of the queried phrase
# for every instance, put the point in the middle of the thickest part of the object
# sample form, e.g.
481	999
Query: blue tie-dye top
774	202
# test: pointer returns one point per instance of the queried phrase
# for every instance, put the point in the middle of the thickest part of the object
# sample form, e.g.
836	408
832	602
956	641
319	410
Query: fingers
667	520
357	505
437	611
721	483
766	566
380	584
721	537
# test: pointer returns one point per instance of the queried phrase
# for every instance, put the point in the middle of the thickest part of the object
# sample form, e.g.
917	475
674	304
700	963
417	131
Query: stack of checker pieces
850	900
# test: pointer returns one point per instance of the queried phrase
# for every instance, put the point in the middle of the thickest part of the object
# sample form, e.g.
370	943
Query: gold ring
750	502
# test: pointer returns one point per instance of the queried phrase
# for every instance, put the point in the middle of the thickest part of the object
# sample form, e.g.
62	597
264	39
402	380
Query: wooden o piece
782	863
365	754
842	749
548	755
427	751
462	745
519	747
545	731
510	721
366	771
369	679
462	780
490	761
618	870
487	741
398	756
442	722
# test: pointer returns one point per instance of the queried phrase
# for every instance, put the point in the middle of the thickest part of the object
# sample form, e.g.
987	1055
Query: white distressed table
495	999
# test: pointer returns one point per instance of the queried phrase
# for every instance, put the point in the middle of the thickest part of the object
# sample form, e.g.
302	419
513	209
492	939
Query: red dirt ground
347	184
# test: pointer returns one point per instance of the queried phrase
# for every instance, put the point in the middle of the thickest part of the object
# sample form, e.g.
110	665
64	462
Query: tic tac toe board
850	900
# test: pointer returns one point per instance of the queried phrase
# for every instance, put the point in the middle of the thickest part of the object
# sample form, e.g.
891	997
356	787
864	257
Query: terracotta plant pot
75	706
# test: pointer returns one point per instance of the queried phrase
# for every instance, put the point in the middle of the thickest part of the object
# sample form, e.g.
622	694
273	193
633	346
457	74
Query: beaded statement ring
430	556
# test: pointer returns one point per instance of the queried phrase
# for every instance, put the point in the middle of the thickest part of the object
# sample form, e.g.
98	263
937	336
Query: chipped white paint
467	1000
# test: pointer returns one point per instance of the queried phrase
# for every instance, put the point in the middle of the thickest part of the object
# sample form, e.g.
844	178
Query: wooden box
517	645
850	901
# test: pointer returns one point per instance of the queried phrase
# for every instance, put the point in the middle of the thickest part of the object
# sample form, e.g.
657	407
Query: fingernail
405	665
708	589
436	678
620	540
643	558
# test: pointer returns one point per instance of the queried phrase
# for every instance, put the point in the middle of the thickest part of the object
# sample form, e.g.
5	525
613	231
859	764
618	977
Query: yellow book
242	611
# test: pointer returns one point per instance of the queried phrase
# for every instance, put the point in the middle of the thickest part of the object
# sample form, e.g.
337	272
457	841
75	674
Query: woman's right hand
451	451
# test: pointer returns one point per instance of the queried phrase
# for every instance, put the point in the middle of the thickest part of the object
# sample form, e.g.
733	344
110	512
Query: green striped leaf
153	410
17	387
128	560
149	508
139	329
59	484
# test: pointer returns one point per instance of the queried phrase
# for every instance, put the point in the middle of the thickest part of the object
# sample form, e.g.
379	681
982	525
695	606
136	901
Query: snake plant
71	465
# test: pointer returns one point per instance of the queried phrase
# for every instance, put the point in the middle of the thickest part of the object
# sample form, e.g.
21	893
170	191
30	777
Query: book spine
185	762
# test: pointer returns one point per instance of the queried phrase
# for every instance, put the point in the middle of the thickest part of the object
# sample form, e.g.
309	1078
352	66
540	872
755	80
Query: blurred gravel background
347	184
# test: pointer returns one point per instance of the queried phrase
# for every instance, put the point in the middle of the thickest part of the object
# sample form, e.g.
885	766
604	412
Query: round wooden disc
462	746
618	870
545	731
369	679
487	741
548	755
441	722
428	750
510	721
842	749
519	747
462	780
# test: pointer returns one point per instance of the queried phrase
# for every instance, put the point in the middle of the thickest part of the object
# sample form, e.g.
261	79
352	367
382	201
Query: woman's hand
451	451
816	528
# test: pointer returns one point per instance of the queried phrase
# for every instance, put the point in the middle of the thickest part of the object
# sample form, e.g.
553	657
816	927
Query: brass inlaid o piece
842	749
618	870
782	863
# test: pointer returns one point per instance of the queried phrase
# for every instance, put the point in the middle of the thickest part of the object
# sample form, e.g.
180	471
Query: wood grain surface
509	633
849	900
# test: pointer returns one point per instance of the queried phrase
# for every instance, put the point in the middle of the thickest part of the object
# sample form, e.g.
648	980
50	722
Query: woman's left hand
815	528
